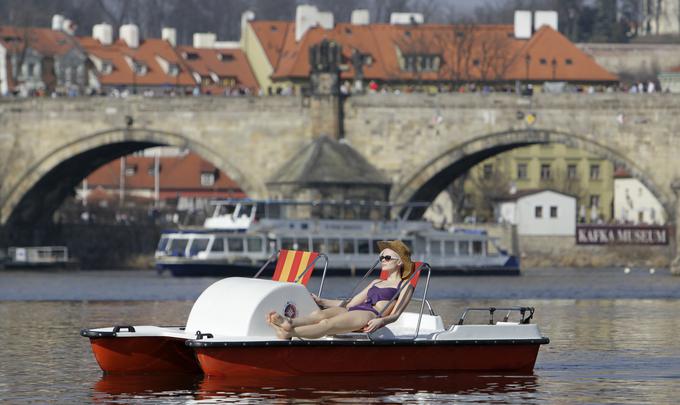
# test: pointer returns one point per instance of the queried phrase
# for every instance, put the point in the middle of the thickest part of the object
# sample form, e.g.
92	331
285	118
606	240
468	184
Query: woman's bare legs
274	318
340	323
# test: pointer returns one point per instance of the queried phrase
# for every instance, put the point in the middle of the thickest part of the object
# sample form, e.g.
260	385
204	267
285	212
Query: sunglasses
388	258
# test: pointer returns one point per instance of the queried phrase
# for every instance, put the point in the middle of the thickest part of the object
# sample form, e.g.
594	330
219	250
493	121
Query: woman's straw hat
404	254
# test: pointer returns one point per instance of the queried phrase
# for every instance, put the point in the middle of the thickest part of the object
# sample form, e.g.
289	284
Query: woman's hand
374	324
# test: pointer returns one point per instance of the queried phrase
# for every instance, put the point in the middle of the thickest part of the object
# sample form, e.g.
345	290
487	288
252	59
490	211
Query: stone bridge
422	142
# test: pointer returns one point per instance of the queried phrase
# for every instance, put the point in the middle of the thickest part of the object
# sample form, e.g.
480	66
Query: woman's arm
356	300
402	303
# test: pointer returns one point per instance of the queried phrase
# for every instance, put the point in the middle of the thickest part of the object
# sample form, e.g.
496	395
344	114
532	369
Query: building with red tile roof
40	61
182	177
220	70
429	54
152	66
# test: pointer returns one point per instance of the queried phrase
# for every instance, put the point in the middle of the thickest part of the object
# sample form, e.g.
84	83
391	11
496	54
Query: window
198	245
302	243
140	68
475	62
521	171
191	56
435	248
318	245
107	68
568	61
449	248
173	69
207	179
421	63
553	212
235	244
594	200
571	172
288	243
363	246
130	170
545	171
254	244
333	246
218	245
464	248
228	81
152	171
348	246
543	61
538	212
594	172
225	57
487	171
477	248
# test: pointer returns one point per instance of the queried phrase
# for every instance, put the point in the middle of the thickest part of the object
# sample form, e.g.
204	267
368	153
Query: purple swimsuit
376	294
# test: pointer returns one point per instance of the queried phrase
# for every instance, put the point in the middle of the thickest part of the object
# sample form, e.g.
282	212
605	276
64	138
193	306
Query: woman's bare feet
280	321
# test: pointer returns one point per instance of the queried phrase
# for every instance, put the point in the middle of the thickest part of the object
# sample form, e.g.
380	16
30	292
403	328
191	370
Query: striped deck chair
295	266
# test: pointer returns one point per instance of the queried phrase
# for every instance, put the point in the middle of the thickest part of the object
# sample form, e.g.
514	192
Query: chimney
307	16
360	17
406	18
523	24
545	17
130	34
103	33
170	35
204	40
57	22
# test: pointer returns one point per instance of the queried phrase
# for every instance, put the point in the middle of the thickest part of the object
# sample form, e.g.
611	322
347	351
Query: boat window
348	246
254	244
319	245
334	246
218	245
177	247
435	248
303	243
449	248
198	245
363	246
288	243
162	243
477	248
376	249
464	248
235	244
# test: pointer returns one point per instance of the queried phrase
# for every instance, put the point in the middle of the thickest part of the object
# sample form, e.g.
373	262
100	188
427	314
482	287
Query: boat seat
294	266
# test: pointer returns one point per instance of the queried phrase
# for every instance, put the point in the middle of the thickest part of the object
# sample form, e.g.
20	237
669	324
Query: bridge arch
42	188
426	181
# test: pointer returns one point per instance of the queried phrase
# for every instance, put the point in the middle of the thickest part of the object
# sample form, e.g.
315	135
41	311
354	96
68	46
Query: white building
634	203
539	212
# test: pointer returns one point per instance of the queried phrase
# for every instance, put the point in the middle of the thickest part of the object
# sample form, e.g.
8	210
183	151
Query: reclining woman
363	310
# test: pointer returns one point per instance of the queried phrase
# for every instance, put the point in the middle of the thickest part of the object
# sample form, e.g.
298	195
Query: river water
614	339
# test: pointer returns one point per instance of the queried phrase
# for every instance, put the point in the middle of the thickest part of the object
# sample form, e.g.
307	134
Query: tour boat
226	335
236	241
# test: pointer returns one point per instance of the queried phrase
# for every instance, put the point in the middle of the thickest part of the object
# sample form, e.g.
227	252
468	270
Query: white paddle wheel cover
237	306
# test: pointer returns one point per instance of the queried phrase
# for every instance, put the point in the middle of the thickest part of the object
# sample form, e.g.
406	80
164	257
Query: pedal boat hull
121	353
297	357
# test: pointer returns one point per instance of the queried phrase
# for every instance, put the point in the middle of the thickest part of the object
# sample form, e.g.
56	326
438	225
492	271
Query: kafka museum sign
621	235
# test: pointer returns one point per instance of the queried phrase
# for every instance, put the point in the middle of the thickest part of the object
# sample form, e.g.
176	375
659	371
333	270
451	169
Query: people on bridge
363	311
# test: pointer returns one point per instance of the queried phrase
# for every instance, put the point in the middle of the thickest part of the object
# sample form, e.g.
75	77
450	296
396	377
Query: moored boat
247	241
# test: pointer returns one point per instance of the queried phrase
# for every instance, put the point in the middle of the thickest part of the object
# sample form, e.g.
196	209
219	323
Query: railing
526	313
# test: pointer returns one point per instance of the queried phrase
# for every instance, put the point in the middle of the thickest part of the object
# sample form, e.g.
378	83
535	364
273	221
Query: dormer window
568	61
173	69
191	56
543	61
421	63
140	68
207	179
107	68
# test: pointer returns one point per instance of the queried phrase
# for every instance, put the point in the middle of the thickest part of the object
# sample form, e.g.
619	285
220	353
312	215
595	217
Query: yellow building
551	166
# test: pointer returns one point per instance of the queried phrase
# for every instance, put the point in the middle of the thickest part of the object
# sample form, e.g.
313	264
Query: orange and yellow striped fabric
291	263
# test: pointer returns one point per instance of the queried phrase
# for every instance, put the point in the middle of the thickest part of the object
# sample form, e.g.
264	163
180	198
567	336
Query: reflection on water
344	388
601	350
